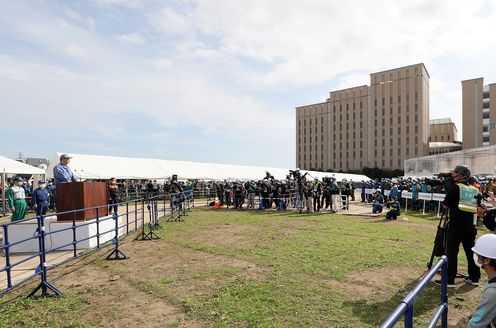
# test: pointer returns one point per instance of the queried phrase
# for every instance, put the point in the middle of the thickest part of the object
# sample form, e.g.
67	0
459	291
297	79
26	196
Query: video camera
327	181
481	197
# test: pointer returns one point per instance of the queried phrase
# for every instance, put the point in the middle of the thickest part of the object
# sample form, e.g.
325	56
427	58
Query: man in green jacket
17	200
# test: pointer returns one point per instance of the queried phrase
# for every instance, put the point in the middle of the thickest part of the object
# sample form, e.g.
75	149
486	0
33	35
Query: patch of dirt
229	234
116	303
376	283
158	259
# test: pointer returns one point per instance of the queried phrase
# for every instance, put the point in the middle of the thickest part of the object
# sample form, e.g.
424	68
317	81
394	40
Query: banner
438	197
425	196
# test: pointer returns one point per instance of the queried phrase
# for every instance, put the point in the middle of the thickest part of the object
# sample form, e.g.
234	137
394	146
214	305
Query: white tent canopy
12	167
106	167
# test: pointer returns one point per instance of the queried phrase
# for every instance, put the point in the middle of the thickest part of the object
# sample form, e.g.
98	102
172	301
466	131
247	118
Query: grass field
223	268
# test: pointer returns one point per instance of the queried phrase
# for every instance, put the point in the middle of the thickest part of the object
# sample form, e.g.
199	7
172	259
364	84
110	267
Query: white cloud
77	51
254	56
76	17
124	3
131	39
169	21
162	63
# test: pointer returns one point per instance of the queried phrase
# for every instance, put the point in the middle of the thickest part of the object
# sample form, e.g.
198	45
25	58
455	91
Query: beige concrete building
379	125
442	130
478	113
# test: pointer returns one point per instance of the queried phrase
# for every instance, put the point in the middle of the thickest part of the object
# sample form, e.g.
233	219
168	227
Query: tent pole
3	192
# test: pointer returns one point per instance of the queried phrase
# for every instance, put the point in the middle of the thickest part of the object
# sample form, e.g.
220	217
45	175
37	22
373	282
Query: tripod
440	241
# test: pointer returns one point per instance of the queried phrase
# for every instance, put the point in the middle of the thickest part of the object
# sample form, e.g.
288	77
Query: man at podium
62	173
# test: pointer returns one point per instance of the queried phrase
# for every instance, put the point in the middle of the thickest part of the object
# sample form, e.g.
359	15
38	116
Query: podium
79	195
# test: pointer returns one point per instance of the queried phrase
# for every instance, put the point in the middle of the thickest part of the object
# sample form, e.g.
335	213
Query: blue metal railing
123	224
405	308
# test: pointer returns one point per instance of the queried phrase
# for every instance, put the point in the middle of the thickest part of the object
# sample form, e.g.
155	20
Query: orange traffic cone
216	203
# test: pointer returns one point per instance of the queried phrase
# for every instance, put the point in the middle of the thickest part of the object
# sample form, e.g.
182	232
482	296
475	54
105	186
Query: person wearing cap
50	187
17	200
461	206
378	203
41	198
394	209
485	258
62	173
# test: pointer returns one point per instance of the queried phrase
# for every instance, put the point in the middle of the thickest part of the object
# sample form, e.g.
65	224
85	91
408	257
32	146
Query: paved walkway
360	209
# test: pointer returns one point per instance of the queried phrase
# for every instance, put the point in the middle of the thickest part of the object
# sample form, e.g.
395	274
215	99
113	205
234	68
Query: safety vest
468	202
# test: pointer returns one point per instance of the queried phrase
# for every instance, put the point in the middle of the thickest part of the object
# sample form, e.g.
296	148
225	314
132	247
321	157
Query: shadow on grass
376	312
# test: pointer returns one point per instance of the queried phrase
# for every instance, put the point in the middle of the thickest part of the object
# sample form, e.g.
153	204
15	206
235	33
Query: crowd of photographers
298	191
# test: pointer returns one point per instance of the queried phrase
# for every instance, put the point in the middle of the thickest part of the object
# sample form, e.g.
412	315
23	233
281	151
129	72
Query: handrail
130	220
405	308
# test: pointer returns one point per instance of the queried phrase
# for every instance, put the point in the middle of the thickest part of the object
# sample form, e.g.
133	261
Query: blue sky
216	80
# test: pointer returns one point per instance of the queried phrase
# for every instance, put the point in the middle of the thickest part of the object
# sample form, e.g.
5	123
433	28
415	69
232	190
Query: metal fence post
409	317
44	285
117	253
7	255
74	242
444	293
127	218
97	229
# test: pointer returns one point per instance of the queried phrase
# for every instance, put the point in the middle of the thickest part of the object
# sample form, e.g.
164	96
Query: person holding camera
394	209
485	258
378	203
461	204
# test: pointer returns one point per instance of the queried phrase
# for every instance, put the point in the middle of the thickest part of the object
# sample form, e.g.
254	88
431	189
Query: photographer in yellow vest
461	205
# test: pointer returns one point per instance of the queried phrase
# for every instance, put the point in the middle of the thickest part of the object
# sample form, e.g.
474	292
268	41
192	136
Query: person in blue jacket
41	198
